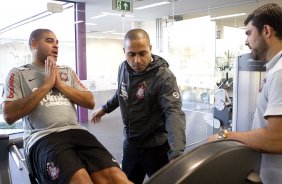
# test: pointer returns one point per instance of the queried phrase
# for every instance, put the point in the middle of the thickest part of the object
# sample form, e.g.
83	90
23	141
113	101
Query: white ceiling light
79	21
228	16
152	5
118	33
109	31
90	24
104	14
117	14
97	37
99	16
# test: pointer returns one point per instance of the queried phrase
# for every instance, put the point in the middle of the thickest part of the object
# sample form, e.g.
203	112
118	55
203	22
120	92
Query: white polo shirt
269	102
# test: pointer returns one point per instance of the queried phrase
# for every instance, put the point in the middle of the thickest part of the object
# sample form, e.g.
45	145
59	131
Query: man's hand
96	116
51	71
212	138
58	81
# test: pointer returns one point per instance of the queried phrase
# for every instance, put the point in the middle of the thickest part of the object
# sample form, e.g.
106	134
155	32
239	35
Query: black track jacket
150	105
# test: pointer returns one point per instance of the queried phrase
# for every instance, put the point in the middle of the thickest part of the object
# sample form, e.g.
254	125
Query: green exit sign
122	5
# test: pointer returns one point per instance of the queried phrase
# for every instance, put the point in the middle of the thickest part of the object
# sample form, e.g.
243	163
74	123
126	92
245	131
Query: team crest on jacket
141	90
176	95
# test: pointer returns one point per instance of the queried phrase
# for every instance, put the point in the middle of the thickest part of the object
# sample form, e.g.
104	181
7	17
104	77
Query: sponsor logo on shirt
12	85
114	160
31	79
54	98
78	81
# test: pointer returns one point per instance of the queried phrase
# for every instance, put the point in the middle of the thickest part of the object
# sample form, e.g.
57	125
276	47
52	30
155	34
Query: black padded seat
219	162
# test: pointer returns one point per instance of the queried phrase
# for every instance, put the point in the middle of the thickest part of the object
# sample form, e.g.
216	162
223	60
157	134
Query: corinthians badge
64	76
141	90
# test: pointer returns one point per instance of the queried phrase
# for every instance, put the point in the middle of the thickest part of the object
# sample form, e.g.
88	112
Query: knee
110	175
113	172
81	176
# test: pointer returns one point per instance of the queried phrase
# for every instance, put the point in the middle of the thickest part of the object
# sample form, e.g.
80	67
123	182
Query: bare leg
81	177
112	175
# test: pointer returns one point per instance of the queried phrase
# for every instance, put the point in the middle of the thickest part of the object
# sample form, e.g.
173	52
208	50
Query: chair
13	146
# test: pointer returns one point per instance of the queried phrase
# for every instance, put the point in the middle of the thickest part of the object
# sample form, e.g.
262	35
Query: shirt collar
273	61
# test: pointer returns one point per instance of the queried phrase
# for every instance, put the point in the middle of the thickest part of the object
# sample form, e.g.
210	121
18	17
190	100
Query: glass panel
199	39
192	60
14	35
105	46
196	39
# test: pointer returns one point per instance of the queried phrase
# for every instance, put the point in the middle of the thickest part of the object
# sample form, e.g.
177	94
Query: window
15	31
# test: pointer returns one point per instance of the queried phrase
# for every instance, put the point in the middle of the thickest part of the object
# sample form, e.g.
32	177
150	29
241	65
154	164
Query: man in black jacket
150	104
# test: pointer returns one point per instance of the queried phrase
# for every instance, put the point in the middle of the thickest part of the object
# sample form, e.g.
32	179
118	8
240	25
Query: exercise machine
13	147
218	162
248	76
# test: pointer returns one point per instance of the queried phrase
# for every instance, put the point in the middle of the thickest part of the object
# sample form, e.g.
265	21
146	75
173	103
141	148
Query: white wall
103	59
105	55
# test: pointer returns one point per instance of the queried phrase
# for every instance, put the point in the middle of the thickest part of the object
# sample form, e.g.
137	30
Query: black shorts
57	156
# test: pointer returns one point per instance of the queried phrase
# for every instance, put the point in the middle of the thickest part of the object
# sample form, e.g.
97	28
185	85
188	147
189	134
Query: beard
254	55
259	53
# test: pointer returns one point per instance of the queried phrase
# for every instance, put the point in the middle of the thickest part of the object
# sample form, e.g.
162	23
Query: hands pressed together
52	76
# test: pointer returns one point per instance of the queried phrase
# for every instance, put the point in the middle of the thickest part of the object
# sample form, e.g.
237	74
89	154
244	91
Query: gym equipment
218	162
248	75
13	146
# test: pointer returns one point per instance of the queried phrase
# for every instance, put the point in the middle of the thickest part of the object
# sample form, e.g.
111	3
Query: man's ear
150	47
33	44
268	30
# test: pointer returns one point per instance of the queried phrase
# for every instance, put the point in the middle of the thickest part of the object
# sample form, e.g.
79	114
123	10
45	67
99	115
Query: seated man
44	95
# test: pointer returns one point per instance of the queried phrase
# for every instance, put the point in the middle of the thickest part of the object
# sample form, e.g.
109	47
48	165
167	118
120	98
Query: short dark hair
36	34
134	34
268	14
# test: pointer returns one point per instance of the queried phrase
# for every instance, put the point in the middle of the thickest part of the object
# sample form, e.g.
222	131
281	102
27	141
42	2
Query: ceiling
191	8
120	24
